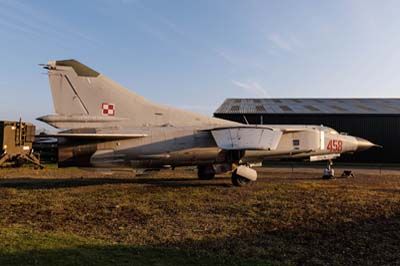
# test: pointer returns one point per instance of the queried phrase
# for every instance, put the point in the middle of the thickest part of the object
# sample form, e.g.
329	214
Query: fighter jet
106	125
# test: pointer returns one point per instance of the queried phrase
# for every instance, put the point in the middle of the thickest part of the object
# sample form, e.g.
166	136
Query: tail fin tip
79	68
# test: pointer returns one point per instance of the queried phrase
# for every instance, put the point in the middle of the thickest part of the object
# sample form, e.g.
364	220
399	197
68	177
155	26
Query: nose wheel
329	172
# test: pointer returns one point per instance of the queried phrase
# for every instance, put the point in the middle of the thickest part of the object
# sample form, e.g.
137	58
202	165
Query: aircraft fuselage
170	146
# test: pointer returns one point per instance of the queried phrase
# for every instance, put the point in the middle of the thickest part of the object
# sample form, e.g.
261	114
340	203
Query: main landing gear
241	175
239	181
205	172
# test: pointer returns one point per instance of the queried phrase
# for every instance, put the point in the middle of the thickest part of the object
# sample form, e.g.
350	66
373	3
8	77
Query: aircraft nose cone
363	144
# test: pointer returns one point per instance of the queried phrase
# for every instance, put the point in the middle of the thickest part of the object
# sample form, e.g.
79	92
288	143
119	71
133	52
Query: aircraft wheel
205	172
239	181
329	173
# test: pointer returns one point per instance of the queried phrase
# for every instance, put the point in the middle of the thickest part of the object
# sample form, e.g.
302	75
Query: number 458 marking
335	145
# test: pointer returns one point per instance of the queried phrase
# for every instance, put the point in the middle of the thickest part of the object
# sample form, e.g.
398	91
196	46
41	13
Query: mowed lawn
77	217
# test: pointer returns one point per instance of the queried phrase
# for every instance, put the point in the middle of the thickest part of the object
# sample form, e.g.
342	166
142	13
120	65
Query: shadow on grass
368	242
119	255
176	182
388	190
284	179
56	183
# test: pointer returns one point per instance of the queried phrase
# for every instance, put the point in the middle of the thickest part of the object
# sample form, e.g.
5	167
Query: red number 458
335	145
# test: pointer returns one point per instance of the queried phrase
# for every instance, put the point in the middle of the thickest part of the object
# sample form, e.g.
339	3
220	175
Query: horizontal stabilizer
103	136
79	121
247	138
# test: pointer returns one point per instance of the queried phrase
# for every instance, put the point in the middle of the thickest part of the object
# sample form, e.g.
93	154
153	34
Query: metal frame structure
16	140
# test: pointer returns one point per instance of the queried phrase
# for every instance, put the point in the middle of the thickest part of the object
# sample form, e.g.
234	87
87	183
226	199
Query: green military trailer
16	139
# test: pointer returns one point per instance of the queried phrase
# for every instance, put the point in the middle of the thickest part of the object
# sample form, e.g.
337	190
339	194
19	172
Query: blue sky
194	54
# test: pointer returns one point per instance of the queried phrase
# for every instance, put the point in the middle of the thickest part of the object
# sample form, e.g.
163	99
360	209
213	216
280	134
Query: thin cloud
281	43
27	19
166	27
295	41
253	87
226	56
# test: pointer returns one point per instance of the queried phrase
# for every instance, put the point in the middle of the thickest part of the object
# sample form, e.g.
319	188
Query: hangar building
377	120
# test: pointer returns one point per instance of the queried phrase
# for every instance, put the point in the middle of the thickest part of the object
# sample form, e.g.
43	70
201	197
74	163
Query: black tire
239	181
205	172
327	177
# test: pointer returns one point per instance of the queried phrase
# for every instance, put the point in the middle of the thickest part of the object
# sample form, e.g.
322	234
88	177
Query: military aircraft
107	125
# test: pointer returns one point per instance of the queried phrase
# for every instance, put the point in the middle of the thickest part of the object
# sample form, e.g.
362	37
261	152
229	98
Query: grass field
77	217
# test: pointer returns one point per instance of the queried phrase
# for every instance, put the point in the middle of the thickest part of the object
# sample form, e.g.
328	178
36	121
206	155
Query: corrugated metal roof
311	106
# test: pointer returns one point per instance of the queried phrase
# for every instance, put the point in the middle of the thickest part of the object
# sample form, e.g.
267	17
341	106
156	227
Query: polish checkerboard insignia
108	109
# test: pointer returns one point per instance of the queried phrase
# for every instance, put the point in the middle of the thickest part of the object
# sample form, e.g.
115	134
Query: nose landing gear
329	172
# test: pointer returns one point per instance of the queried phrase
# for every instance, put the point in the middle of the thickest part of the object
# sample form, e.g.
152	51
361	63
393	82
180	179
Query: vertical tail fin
80	90
83	97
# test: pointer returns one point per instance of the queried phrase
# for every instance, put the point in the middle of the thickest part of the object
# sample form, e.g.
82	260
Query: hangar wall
382	129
